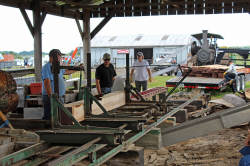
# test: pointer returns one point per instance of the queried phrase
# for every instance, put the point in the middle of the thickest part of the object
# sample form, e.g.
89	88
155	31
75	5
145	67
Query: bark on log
8	95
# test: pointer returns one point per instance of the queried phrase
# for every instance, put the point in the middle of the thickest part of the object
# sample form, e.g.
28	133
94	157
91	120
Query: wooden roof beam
79	28
100	26
86	4
43	17
27	20
58	11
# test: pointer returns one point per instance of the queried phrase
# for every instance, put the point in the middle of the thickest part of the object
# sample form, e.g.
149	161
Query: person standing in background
105	76
142	72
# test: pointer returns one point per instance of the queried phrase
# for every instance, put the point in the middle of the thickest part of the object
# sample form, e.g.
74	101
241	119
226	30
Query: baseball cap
106	56
139	54
55	52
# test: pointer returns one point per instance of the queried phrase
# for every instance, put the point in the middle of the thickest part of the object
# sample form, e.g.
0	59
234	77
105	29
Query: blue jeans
47	106
141	84
230	76
106	90
245	160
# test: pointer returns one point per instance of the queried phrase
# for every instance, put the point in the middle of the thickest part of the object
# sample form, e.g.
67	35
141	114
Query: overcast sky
63	34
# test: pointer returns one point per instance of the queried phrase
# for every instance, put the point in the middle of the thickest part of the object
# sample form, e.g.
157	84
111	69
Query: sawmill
95	130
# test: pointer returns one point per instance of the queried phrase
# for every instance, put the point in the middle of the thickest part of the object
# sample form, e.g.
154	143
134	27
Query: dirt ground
217	149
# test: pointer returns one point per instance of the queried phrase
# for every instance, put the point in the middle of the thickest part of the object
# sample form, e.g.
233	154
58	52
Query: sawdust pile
218	149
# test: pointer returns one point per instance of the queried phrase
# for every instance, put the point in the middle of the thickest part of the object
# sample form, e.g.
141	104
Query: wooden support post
87	55
36	32
86	39
37	40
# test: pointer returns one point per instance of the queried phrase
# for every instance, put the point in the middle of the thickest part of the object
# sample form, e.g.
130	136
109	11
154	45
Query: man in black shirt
105	75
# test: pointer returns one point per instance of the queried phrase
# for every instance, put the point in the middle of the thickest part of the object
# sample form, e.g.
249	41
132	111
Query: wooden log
8	95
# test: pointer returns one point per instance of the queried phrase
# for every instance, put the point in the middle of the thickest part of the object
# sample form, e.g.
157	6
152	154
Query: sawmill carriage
210	77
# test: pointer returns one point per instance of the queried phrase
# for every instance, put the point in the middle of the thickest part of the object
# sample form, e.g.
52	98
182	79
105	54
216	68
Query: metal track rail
203	126
52	155
137	136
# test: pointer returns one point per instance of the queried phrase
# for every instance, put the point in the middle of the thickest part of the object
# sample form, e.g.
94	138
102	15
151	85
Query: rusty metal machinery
205	54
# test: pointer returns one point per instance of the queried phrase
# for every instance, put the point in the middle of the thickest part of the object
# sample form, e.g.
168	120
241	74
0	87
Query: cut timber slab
6	149
6	145
20	136
109	102
4	139
33	113
77	111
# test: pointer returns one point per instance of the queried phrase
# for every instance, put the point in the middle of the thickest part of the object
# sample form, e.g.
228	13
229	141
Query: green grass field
77	75
160	81
238	62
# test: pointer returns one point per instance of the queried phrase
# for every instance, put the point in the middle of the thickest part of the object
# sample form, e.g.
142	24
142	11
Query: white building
154	47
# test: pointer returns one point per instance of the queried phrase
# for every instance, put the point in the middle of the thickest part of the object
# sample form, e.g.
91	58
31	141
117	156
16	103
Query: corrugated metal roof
121	8
142	40
7	58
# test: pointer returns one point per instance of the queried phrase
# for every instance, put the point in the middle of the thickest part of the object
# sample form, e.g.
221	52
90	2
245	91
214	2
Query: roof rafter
120	8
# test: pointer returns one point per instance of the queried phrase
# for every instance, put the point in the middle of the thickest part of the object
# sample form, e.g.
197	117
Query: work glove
81	66
150	79
224	73
99	96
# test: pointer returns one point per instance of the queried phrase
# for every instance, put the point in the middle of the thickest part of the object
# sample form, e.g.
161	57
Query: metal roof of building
141	41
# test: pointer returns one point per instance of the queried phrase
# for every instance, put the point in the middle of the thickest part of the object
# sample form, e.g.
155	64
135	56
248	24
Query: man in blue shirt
48	82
